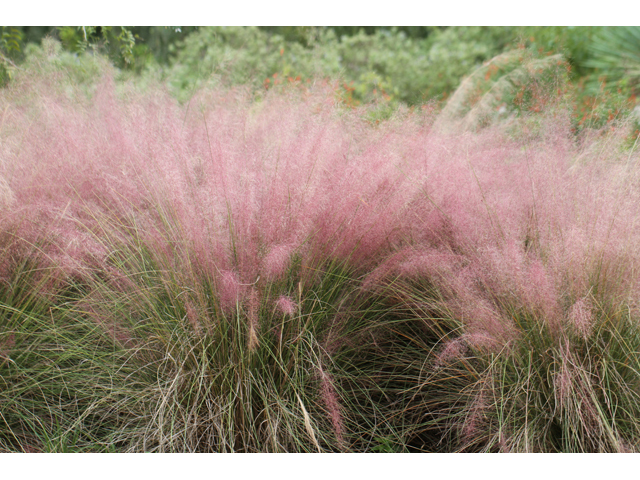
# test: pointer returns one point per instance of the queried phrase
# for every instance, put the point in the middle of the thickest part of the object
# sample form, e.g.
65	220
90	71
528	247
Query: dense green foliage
410	64
384	64
615	56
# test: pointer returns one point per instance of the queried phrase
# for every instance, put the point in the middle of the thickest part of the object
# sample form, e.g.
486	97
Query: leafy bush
615	56
10	47
383	63
386	64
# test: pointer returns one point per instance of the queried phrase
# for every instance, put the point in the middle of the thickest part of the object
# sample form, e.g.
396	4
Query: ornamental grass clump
215	251
270	275
529	303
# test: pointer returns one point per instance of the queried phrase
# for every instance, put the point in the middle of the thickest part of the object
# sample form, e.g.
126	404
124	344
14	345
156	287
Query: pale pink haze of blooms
286	305
237	193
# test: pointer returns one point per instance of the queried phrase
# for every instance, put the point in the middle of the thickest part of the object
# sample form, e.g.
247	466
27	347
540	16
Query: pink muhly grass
277	261
486	327
233	190
332	404
581	316
564	385
541	295
474	424
74	251
7	344
192	316
504	443
431	264
451	351
335	337
119	281
387	268
121	334
573	390
230	290
286	305
7	197
253	319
